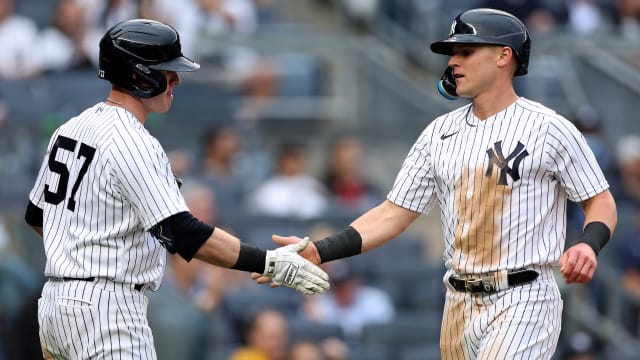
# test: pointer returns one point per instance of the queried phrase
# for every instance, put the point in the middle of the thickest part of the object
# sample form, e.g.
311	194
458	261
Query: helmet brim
445	47
178	64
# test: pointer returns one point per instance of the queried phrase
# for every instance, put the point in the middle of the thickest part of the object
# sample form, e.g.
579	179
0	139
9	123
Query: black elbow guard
182	233
34	216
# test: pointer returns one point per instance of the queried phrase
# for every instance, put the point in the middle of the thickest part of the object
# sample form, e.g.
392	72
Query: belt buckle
472	285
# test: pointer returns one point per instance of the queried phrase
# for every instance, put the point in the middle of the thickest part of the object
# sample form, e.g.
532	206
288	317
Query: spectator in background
19	293
334	349
536	15
242	68
580	346
291	191
100	15
181	161
627	14
221	149
360	13
18	34
304	350
588	121
629	266
182	311
178	13
585	17
103	14
61	46
349	302
626	190
266	337
344	178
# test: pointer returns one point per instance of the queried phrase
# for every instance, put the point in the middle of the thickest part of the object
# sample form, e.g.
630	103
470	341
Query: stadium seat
428	351
406	329
301	329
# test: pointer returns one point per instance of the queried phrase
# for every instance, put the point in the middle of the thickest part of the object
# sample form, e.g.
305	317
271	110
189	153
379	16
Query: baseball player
108	207
501	170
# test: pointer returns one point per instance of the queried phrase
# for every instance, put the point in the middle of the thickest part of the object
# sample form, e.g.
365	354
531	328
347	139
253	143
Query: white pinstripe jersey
501	184
103	183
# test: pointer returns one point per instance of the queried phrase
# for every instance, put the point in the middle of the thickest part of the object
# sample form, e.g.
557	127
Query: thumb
301	245
563	261
282	240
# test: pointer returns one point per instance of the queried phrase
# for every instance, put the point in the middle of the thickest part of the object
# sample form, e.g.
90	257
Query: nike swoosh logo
445	136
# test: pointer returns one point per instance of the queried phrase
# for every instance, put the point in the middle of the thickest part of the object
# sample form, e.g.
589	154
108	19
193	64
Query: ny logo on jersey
496	157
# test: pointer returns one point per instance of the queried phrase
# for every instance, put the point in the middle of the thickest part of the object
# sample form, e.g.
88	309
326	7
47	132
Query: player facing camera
486	27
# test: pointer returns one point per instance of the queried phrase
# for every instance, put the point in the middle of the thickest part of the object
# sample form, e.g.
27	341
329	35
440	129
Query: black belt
137	287
477	285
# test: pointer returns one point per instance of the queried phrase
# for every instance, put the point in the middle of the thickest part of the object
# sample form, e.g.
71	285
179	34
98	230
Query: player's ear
506	57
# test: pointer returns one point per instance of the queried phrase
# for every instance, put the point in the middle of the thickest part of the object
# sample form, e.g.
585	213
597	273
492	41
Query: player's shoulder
552	122
542	111
535	107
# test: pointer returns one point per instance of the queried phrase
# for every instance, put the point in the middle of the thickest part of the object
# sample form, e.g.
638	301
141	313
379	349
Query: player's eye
463	51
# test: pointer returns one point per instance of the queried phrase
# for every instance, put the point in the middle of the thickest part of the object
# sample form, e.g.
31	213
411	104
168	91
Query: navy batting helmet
133	52
488	26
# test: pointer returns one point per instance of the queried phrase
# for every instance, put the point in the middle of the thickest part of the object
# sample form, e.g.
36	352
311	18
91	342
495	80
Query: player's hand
578	264
310	253
285	266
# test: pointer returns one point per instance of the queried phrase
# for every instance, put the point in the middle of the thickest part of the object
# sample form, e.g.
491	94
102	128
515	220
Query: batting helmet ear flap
447	85
146	82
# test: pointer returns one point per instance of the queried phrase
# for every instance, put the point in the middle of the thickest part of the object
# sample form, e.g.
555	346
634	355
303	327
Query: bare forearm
601	208
220	249
382	223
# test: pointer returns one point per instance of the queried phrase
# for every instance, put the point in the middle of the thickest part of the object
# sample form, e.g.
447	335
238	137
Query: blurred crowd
284	187
66	35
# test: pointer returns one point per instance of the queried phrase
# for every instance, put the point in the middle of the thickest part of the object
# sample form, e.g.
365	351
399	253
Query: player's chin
169	100
164	105
464	93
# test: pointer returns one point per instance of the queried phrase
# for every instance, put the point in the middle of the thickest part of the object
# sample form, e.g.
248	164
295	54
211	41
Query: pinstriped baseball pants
94	320
522	322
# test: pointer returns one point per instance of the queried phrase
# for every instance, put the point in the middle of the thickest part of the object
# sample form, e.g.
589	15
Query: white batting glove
285	267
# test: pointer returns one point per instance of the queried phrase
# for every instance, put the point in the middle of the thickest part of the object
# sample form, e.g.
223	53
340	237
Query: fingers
311	283
313	279
309	288
282	240
259	278
578	264
316	271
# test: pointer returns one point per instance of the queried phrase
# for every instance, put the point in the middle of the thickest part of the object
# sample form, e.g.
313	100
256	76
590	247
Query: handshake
285	266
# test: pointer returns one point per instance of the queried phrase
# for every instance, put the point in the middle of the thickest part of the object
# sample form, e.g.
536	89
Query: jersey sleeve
36	196
414	187
143	175
573	163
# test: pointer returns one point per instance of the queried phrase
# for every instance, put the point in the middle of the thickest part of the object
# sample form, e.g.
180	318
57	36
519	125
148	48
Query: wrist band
345	243
596	234
251	259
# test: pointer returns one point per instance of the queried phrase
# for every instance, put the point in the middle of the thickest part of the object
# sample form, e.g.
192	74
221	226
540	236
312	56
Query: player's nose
174	79
453	61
